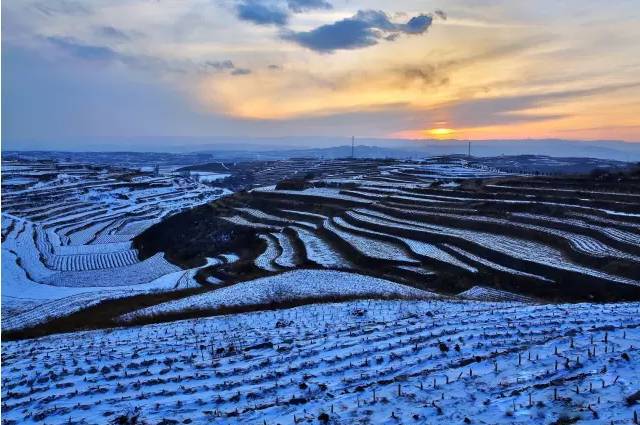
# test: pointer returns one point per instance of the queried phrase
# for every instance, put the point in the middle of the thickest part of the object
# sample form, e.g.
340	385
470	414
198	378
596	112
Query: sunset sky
390	69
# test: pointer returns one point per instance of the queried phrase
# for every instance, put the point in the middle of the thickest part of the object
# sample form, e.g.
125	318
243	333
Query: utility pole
353	144
469	149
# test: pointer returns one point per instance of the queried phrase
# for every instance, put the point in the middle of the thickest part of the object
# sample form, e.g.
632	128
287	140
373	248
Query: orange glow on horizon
536	131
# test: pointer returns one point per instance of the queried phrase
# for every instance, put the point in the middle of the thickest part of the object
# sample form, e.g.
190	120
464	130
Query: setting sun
441	131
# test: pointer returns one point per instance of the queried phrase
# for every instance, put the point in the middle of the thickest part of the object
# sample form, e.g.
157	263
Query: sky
465	69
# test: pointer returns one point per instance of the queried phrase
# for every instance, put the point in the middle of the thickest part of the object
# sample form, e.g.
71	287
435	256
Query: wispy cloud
62	7
83	51
112	33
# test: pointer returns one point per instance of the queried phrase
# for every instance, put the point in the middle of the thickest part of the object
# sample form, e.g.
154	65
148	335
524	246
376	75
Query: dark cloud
345	34
218	66
223	66
274	67
303	5
440	14
365	28
83	51
417	24
261	13
113	33
427	75
241	71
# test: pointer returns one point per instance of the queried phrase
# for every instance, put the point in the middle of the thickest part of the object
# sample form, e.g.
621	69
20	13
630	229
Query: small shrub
566	420
358	312
129	418
292	184
633	398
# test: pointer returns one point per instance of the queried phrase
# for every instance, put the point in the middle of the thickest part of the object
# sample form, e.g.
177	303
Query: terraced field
406	362
67	231
443	225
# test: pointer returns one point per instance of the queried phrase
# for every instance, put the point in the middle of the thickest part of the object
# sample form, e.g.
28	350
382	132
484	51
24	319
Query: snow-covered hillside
67	231
287	287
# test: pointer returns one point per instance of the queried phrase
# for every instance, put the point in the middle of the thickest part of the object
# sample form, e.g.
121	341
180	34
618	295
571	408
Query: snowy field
485	340
358	362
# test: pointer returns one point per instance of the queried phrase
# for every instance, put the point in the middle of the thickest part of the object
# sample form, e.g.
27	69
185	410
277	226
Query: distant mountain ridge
331	147
399	149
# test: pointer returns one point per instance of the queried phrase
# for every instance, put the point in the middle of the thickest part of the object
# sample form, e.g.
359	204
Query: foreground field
360	362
